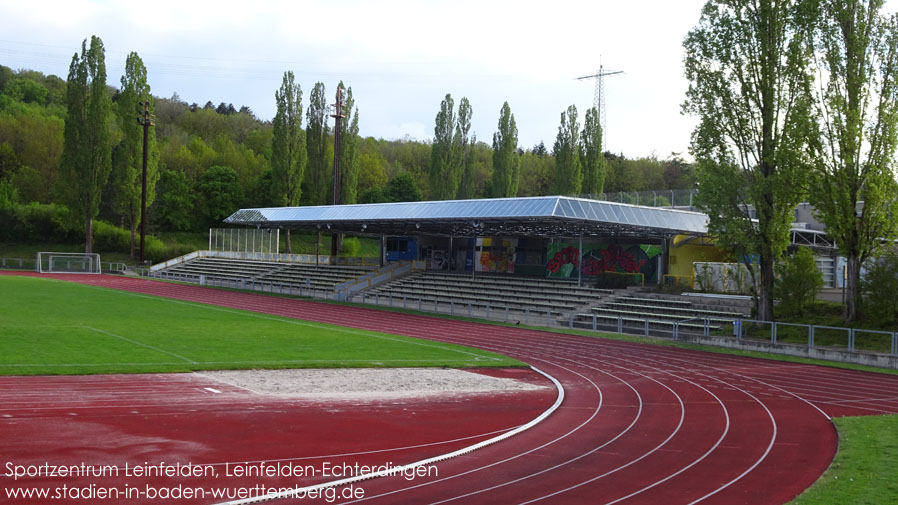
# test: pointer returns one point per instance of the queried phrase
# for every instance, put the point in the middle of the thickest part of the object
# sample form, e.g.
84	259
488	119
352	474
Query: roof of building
547	216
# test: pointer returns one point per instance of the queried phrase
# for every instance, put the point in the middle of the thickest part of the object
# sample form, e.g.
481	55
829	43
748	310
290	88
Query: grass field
864	471
55	327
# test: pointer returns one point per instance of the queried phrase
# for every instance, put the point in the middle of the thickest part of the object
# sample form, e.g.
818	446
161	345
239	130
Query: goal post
68	263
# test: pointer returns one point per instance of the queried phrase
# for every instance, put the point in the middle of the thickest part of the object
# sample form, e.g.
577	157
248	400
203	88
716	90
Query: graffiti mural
495	255
564	259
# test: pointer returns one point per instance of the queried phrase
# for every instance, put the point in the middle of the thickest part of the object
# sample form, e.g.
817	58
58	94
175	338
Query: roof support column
580	262
474	258
317	247
383	249
451	254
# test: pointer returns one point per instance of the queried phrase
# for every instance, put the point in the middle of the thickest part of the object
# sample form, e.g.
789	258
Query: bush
351	247
109	238
880	286
36	222
798	282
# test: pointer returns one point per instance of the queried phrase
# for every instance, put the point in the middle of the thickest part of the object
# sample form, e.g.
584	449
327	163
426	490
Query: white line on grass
255	362
141	344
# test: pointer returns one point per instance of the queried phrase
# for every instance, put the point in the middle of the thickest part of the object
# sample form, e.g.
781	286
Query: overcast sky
400	57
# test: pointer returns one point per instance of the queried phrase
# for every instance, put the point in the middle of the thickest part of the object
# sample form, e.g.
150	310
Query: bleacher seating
520	294
322	277
662	311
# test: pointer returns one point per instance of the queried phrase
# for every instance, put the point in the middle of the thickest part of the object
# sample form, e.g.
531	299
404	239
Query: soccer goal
69	263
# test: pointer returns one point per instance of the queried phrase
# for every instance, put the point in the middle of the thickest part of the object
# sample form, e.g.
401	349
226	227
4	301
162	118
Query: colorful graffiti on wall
495	255
564	259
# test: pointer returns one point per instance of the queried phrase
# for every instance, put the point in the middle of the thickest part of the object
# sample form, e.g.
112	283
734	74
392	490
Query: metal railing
31	264
852	340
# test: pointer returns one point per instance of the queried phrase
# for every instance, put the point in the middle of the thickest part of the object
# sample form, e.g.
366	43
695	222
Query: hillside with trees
70	154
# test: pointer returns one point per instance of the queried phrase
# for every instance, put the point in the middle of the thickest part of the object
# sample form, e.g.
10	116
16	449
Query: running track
640	424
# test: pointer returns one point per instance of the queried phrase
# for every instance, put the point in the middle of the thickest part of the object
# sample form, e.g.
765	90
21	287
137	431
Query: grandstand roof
549	216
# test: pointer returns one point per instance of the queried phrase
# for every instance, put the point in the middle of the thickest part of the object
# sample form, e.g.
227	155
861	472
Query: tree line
75	147
797	100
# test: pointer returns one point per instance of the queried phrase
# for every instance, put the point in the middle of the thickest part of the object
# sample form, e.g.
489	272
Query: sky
401	57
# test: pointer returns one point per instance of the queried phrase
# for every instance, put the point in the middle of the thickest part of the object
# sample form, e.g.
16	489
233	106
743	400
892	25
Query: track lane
746	387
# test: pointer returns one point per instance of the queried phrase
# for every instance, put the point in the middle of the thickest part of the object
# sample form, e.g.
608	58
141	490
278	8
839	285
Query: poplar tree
506	162
86	155
317	139
349	150
568	175
592	159
127	156
747	64
443	153
288	146
464	156
853	189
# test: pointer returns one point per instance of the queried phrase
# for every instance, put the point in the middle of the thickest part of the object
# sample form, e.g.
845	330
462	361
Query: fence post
451	307
810	335
594	322
436	305
403	301
469	309
676	330
620	324
506	313
570	321
850	339
487	316
526	315
548	319
646	327
419	303
391	299
773	333
895	343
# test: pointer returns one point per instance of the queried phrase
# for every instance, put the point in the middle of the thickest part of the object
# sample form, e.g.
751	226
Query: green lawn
864	471
55	327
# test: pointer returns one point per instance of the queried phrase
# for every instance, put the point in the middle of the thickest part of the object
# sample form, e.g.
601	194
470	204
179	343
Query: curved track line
304	491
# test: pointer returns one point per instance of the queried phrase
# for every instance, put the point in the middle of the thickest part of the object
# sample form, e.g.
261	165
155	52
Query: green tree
173	209
86	156
288	146
568	175
880	283
506	161
853	189
127	156
799	281
464	151
591	156
402	188
349	150
317	135
747	65
220	194
443	172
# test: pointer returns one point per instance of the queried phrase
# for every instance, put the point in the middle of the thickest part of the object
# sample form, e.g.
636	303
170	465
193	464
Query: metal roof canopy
540	216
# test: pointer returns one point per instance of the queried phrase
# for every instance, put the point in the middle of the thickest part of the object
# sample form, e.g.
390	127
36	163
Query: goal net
70	263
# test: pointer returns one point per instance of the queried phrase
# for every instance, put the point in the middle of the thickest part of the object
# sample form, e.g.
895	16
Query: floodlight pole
146	121
337	115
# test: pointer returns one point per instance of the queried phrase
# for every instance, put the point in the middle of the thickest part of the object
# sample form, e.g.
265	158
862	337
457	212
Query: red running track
640	424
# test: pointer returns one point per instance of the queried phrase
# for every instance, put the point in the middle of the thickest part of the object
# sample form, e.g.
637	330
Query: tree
443	173
464	145
349	150
288	146
591	153
853	189
86	155
747	64
173	210
220	194
799	281
127	157
402	188
506	162
317	135
568	175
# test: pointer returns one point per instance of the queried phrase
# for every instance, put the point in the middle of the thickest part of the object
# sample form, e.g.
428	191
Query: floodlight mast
599	98
337	115
146	121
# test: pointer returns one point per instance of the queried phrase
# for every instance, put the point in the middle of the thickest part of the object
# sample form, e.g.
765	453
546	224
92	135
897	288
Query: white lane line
141	344
397	470
213	390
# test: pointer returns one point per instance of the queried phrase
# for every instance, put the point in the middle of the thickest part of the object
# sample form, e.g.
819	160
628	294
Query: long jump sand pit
371	384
